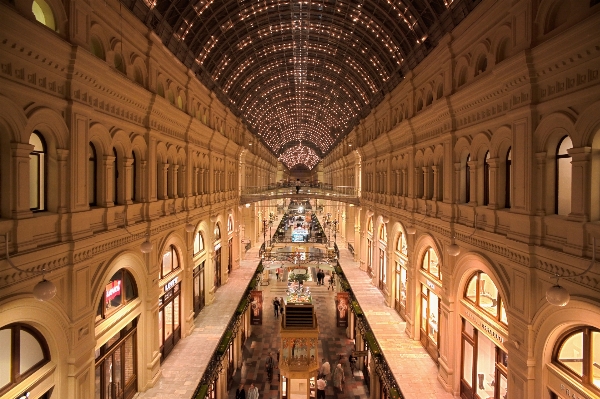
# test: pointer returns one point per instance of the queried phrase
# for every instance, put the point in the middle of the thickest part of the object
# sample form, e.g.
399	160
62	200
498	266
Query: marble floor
414	370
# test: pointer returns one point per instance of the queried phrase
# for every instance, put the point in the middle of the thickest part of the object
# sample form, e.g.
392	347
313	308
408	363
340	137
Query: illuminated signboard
113	290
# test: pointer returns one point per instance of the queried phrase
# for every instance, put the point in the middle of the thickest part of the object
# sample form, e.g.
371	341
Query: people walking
325	369
276	307
269	363
252	392
240	393
321	384
281	306
338	377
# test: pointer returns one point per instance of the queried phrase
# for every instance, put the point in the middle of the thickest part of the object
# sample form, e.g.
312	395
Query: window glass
468	328
503	317
5	356
403	287
433	317
31	352
467	371
488	295
91	174
217	232
129	365
167	263
595	345
563	177
43	13
486	366
424	312
37	164
571	353
471	293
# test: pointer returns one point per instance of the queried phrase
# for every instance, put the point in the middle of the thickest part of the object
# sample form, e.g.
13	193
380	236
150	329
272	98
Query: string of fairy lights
302	71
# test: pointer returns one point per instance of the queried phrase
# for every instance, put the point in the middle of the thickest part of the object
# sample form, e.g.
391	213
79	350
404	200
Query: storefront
431	286
370	247
115	358
382	272
116	365
484	330
217	258
199	288
401	276
169	304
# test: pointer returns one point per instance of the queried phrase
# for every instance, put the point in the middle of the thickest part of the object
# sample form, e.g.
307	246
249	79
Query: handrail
214	367
381	365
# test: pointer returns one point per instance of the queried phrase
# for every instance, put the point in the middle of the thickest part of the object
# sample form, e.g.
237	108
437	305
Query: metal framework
301	73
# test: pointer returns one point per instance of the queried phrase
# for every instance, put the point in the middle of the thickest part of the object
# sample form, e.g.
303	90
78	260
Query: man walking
325	369
276	307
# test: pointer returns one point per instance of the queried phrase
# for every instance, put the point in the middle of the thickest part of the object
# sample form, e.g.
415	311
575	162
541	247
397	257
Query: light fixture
189	227
411	230
45	289
558	295
248	205
453	248
146	246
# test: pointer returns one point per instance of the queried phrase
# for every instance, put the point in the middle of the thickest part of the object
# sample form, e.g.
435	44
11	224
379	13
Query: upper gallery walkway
323	191
412	367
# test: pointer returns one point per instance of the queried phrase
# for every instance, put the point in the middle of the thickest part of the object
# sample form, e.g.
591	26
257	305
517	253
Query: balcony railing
215	364
381	365
320	190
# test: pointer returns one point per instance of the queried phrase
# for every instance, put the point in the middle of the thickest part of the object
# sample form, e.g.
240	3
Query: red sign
113	289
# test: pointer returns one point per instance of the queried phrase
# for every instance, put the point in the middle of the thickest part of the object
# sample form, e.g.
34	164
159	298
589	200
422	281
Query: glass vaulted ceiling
301	74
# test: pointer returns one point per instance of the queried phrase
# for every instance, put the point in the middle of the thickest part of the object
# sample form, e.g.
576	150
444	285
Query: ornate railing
381	365
214	366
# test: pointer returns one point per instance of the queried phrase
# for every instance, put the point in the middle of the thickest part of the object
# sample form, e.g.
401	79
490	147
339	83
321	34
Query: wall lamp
558	295
44	290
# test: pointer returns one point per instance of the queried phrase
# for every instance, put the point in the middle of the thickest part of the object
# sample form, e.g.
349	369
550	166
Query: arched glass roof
301	73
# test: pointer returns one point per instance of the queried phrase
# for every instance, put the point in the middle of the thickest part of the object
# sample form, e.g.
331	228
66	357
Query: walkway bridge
348	194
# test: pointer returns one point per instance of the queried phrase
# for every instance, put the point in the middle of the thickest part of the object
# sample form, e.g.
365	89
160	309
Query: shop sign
24	395
430	285
171	284
485	327
563	388
217	246
113	289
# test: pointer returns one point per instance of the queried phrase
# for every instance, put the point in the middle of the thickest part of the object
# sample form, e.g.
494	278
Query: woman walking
338	377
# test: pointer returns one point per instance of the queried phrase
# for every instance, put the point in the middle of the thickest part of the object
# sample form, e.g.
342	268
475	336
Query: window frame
174	255
427	270
103	314
508	178
499	299
93	175
42	171
586	380
15	376
557	157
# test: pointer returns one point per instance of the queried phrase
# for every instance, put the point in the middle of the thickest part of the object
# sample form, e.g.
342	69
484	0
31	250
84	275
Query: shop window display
119	291
484	366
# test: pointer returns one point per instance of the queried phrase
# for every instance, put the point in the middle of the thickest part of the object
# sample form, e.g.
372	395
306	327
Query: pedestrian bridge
348	194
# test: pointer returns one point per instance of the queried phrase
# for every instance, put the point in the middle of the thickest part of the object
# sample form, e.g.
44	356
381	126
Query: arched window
486	179
97	48
198	243
482	292
24	352
383	233
217	232
462	77
370	225
43	13
563	177
160	89
138	77
430	263
467	180
120	290
481	65
230	224
440	91
170	262
115	178
134	178
119	62
508	176
92	170
401	243
37	173
578	355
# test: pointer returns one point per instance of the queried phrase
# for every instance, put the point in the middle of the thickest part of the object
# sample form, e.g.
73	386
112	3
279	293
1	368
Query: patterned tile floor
413	368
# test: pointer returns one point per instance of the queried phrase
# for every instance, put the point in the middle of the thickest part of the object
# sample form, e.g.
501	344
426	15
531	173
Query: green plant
298	277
